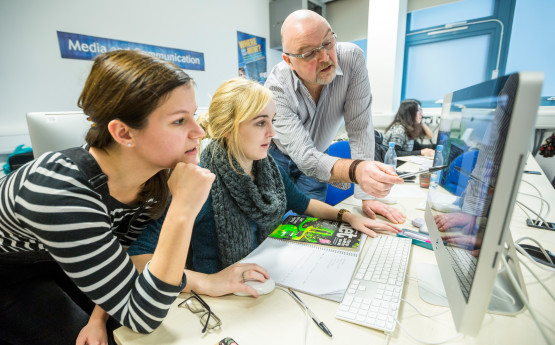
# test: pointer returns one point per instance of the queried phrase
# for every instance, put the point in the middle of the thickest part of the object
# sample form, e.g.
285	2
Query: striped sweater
49	205
305	129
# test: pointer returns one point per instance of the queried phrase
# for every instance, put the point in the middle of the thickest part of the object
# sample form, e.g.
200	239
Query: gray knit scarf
236	198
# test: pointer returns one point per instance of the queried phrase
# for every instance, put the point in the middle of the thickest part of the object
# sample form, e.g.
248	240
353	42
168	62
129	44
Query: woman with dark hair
408	126
67	218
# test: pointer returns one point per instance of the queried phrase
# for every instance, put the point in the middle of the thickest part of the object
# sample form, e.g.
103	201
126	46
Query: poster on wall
83	47
252	57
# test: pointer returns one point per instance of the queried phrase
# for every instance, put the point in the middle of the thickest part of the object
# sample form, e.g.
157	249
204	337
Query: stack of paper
316	270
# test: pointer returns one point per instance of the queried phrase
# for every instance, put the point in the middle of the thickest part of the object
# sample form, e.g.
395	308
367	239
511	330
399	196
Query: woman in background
407	126
250	194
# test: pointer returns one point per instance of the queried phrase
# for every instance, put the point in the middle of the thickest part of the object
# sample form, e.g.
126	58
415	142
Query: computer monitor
53	131
493	122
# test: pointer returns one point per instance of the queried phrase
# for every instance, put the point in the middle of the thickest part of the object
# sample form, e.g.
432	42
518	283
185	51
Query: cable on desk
421	313
524	299
387	337
538	279
517	203
456	337
540	197
307	320
429	288
523	252
542	201
529	209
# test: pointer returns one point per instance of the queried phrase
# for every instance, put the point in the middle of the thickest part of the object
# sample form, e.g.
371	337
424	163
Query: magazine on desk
318	232
319	270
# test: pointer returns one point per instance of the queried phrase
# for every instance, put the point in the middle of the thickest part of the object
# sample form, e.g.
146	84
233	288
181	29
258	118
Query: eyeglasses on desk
198	306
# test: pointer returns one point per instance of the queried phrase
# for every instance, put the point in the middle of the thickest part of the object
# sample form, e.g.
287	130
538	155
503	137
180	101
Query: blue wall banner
83	47
252	56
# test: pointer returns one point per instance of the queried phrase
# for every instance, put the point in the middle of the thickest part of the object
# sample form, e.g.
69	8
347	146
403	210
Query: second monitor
53	131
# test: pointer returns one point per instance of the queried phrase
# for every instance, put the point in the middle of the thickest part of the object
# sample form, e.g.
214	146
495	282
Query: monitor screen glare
485	130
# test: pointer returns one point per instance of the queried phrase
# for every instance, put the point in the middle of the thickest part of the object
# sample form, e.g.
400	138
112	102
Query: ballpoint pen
414	173
314	318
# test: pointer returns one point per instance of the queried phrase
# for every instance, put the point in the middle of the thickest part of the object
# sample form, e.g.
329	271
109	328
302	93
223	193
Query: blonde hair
235	101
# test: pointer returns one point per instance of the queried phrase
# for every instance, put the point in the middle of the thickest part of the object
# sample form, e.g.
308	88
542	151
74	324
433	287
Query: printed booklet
318	231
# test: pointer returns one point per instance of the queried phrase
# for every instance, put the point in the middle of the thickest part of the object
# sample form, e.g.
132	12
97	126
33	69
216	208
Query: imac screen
485	136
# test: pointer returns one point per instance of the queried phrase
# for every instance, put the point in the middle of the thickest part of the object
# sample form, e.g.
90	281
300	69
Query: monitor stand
504	298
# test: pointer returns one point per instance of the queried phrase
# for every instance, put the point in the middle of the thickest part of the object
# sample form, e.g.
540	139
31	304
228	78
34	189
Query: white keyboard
374	295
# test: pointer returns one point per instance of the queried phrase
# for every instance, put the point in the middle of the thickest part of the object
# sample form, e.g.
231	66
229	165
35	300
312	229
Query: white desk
277	319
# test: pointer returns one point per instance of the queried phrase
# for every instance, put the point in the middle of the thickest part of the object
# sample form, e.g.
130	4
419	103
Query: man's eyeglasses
198	306
311	54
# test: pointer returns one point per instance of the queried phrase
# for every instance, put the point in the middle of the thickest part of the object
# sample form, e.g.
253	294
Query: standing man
320	84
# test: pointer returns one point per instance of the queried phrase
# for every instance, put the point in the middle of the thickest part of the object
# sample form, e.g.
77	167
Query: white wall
348	18
274	57
386	44
33	76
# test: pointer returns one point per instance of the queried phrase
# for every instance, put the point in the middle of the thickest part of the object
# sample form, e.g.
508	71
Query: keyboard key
348	299
345	314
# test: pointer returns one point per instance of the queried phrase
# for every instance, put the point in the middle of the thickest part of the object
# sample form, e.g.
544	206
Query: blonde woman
250	194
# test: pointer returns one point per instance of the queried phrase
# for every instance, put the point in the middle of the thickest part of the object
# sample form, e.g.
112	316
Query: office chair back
455	181
335	195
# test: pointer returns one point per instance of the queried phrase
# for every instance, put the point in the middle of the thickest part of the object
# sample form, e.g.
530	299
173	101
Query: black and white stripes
49	204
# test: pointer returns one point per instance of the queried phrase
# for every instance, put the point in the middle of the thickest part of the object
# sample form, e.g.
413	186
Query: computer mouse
262	288
418	222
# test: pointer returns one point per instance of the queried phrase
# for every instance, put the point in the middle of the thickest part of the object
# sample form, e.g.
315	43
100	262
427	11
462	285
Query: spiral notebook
316	270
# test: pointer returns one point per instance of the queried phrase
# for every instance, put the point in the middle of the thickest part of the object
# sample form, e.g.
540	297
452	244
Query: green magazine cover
318	231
